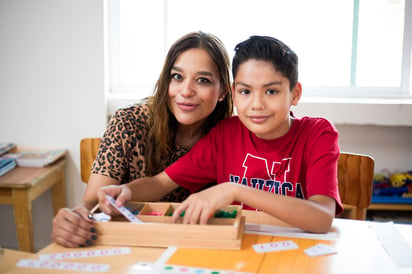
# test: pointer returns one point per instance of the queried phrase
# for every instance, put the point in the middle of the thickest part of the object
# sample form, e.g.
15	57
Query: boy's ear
296	94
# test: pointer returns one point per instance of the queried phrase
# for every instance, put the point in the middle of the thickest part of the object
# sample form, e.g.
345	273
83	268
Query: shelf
384	206
390	203
390	200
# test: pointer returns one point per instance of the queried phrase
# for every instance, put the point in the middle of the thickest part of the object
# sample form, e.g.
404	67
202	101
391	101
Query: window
358	48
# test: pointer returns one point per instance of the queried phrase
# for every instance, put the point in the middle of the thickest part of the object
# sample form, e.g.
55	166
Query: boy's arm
143	189
314	215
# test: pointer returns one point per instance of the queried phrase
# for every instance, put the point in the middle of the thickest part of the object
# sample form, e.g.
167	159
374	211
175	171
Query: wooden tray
158	229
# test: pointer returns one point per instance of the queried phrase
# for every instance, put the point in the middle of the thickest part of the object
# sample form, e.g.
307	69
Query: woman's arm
72	227
143	189
96	182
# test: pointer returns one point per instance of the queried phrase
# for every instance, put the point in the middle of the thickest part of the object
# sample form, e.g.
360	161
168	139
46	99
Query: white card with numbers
275	246
319	250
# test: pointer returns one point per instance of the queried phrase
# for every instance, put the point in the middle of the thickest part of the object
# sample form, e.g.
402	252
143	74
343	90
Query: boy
265	158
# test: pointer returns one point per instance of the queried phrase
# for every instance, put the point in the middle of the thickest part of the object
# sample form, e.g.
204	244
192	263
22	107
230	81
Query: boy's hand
121	193
198	207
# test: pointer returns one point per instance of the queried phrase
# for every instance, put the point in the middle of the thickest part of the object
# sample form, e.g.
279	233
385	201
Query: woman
192	94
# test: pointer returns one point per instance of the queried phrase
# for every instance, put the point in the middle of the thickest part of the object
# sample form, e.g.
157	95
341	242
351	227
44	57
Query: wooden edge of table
10	257
390	207
24	177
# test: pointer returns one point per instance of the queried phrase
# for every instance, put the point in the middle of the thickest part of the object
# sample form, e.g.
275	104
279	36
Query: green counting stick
181	214
218	214
225	214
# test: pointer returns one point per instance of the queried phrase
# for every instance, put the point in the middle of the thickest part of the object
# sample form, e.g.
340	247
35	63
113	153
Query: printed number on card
275	246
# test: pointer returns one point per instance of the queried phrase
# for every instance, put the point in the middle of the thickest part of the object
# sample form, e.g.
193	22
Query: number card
320	249
125	212
85	254
275	246
101	217
83	267
143	267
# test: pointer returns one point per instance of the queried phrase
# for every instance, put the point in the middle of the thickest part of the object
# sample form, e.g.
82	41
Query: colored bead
225	214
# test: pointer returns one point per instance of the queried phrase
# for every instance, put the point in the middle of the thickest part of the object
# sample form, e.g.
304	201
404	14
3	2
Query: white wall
52	94
51	89
390	146
389	142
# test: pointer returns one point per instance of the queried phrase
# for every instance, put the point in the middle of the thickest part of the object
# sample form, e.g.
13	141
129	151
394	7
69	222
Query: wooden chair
355	179
88	152
355	176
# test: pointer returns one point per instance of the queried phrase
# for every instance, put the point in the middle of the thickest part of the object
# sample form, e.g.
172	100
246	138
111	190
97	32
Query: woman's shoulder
138	108
136	113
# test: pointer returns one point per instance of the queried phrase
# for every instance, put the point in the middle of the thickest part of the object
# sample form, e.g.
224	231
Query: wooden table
9	259
22	185
359	251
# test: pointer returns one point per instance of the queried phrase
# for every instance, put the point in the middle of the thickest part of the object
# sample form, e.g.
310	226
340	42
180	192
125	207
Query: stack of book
37	158
11	157
6	164
6	147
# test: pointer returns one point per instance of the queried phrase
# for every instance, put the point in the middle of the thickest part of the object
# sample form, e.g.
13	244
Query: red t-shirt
301	163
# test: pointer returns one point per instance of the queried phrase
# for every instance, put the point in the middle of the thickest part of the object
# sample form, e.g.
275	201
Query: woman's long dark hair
162	125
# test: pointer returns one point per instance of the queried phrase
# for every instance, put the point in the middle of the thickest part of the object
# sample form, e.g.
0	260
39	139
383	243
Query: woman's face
194	88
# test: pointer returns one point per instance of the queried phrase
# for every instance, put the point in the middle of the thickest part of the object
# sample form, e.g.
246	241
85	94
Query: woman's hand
73	227
121	193
199	207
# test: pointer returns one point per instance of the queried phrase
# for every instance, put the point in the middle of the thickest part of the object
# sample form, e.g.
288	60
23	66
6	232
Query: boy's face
263	99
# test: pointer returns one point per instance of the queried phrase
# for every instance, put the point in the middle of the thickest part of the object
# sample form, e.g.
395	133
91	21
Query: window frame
386	100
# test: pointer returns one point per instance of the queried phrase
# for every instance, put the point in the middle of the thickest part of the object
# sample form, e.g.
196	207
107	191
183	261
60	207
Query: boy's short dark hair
265	48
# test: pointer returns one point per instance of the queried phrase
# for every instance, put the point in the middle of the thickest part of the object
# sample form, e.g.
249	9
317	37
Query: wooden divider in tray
158	229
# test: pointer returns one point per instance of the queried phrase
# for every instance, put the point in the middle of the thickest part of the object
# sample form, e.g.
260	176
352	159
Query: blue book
6	165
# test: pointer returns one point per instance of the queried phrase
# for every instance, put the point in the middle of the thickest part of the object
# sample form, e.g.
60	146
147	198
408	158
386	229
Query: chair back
355	179
88	152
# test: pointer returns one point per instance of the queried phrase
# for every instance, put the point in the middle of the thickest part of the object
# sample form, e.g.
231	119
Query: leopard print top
121	151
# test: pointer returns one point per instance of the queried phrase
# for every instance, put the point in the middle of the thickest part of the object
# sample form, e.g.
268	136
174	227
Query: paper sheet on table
393	242
288	232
